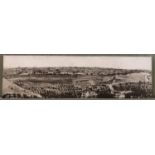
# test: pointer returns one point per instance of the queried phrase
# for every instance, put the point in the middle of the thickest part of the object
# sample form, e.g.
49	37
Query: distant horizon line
76	67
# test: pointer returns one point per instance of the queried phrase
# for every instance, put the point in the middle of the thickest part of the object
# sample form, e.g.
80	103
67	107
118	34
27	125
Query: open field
76	82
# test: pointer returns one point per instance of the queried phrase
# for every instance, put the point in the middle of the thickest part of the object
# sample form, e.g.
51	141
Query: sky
123	62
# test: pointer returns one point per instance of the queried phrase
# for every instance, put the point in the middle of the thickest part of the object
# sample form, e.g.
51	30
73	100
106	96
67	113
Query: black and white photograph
77	77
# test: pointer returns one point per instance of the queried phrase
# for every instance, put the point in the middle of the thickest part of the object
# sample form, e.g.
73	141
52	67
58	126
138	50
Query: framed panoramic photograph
77	77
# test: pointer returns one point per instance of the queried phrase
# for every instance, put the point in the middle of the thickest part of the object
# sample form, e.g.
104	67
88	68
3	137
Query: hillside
12	90
135	77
